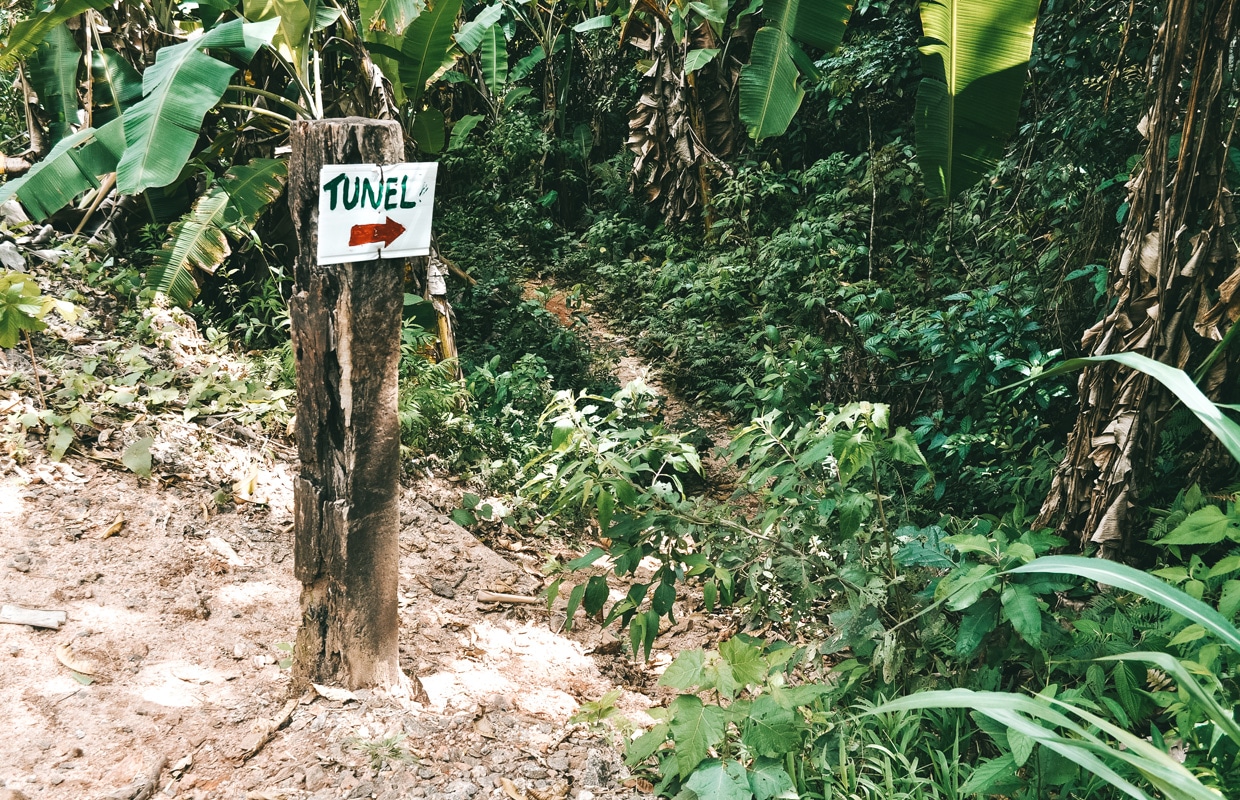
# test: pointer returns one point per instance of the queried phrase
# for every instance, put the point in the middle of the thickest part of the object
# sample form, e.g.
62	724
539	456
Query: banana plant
975	55
178	90
199	242
770	89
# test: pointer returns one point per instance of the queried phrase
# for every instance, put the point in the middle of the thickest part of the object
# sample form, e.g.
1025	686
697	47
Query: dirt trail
184	620
181	606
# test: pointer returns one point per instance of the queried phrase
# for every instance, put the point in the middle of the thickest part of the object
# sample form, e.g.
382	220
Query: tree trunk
1173	292
346	337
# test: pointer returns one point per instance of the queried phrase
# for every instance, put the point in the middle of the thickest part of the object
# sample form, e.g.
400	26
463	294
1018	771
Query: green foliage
769	91
199	242
184	83
23	307
975	54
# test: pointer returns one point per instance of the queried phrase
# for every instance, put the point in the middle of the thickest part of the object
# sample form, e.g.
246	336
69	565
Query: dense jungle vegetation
878	236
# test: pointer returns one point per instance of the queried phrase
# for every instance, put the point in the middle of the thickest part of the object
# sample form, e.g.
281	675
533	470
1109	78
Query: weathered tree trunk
1173	292
346	337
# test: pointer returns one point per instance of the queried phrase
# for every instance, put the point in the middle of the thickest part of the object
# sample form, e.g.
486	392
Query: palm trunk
1173	292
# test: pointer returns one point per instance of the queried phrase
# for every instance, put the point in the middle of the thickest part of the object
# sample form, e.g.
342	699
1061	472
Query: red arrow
387	233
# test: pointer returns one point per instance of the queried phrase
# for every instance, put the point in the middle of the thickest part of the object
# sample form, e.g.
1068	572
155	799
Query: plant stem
262	112
34	370
284	101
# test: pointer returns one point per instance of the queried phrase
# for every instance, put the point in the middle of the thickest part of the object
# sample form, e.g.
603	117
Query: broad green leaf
73	166
252	189
821	23
1022	746
978	620
770	92
1207	525
293	18
974	55
137	456
184	83
596	594
1022	610
424	49
748	666
428	130
719	781
390	17
462	128
664	597
494	59
903	448
1225	566
1133	580
53	73
472	33
20	309
59	438
526	65
686	671
768	779
963	589
645	745
1229	599
594	23
574	601
989	773
696	59
115	85
695	728
770	730
29	33
197	241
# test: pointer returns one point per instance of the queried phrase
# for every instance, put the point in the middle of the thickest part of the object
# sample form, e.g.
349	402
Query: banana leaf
974	55
115	85
290	39
494	59
29	33
198	241
471	33
179	89
53	76
428	130
73	166
770	89
425	47
388	16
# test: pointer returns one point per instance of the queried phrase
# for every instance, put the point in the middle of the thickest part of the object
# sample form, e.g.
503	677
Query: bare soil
181	606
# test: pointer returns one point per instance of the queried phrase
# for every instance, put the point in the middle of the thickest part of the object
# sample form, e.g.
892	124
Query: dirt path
181	606
185	621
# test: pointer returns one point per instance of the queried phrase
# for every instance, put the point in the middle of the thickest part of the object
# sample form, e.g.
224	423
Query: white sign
372	211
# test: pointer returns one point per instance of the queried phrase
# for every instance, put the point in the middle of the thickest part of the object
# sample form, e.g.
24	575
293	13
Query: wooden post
346	339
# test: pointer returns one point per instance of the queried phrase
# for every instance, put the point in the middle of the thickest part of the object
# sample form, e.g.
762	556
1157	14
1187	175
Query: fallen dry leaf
115	527
511	789
334	693
483	727
246	485
66	656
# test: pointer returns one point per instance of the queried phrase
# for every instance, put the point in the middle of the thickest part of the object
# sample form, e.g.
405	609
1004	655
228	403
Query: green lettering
404	186
357	194
331	186
372	196
389	201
